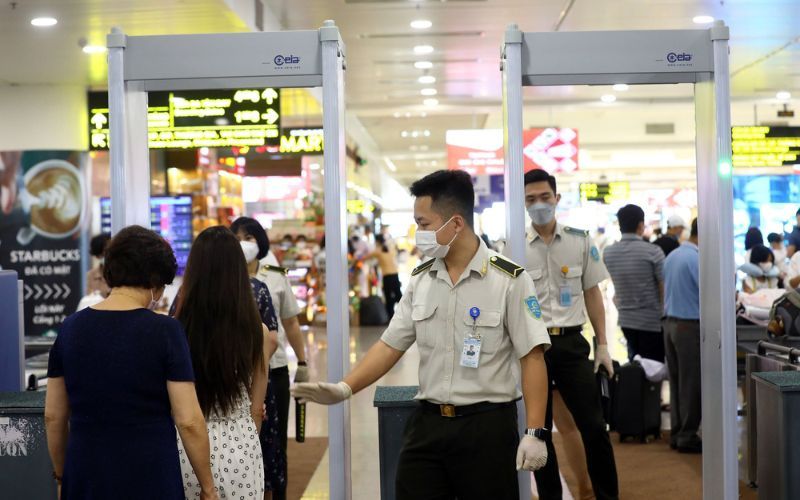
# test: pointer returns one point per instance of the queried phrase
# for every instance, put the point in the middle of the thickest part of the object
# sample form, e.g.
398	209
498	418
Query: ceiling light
608	98
702	19
404	133
431	102
94	49
415	134
421	24
783	95
621	87
423	114
423	65
426	133
44	22
423	49
428	92
396	114
427	79
390	164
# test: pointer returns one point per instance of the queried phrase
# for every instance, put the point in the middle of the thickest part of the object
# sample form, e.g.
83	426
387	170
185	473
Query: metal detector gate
653	57
138	64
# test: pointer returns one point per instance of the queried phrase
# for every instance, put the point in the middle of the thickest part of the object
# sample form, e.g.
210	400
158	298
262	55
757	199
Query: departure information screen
199	118
765	146
606	192
170	216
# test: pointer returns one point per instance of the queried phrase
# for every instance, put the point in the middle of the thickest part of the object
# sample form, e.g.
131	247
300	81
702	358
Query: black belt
673	318
280	369
564	330
452	411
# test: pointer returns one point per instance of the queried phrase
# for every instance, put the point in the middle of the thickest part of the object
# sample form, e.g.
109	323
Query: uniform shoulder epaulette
422	267
579	232
506	266
275	269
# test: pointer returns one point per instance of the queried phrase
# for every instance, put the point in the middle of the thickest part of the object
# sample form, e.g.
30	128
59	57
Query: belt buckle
448	411
556	330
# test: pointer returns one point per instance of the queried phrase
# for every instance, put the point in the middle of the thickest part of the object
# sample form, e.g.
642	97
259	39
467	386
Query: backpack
784	317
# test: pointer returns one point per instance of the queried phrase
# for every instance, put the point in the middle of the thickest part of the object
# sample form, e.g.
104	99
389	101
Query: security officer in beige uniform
566	269
478	326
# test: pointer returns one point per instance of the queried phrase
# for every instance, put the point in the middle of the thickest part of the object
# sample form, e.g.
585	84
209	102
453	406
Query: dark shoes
695	448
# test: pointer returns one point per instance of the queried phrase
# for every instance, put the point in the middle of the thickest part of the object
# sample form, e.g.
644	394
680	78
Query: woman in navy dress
120	380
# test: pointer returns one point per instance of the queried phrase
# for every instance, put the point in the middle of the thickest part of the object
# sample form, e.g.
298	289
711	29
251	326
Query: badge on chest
471	352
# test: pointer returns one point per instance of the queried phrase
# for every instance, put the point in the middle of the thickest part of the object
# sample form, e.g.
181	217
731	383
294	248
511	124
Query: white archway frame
140	64
653	57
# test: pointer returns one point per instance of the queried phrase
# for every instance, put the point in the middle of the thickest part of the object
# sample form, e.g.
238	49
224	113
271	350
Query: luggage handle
764	346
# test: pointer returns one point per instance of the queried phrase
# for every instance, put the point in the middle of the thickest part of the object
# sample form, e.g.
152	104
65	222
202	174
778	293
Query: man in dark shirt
670	241
793	243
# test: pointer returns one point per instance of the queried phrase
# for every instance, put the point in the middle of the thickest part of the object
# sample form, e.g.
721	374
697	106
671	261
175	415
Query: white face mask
301	245
765	266
250	250
154	301
429	247
542	213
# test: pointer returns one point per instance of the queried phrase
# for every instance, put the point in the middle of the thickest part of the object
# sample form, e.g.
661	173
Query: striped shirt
636	268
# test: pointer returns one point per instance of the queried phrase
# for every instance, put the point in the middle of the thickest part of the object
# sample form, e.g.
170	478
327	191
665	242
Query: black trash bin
25	467
395	406
778	406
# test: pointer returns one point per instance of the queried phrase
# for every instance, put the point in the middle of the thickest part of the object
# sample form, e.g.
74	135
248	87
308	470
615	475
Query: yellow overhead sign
765	146
608	192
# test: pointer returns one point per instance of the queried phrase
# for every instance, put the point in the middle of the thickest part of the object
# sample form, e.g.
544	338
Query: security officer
566	269
473	314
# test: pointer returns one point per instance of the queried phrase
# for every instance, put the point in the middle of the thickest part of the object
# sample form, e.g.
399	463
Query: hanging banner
43	210
480	151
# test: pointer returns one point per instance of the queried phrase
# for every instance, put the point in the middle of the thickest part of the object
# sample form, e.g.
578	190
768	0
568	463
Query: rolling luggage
637	405
372	312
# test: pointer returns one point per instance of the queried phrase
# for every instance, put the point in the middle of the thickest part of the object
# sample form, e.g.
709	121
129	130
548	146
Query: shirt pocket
424	318
573	278
489	326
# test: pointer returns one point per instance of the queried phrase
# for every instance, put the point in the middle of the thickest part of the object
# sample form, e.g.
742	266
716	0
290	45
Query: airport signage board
480	151
765	146
199	118
303	141
605	192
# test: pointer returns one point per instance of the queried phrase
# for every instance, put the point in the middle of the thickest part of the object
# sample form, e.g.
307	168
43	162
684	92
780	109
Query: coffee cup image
53	195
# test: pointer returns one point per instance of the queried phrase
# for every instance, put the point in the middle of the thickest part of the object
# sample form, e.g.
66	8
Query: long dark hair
220	316
380	240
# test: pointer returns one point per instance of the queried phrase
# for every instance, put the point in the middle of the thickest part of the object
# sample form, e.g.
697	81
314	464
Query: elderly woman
120	380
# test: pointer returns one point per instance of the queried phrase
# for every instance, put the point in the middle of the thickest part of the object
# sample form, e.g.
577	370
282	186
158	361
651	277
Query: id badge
471	354
565	295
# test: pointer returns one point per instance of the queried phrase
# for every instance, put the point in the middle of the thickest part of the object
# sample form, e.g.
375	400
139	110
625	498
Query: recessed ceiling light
431	102
427	79
94	49
421	24
783	95
423	49
702	19
426	133
608	98
404	133
396	114
621	87
423	65
44	22
428	92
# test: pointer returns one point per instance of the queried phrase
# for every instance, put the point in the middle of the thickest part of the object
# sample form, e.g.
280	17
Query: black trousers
568	365
682	341
391	292
646	344
279	378
468	458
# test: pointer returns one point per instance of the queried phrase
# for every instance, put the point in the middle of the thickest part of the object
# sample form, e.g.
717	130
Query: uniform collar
479	262
533	235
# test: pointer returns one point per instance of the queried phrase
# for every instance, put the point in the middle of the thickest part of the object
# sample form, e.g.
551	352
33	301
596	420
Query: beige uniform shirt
285	307
569	264
434	313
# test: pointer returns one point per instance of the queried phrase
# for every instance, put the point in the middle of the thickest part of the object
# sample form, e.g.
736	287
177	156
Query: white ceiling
382	88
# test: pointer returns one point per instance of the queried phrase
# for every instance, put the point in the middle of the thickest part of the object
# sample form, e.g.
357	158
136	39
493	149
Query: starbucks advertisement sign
43	215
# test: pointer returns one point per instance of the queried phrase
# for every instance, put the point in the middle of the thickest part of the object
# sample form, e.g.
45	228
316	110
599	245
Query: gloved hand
531	453
301	375
322	392
602	357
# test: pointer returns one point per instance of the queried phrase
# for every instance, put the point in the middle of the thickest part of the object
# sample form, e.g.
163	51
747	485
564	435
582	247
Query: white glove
531	453
602	357
322	392
301	375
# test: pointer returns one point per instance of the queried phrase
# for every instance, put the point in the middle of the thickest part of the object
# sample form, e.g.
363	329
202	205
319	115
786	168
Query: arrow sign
271	116
38	291
269	95
98	120
28	292
66	290
49	291
58	291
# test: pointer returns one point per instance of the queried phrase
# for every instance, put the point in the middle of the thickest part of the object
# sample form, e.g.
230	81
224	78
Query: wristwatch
541	433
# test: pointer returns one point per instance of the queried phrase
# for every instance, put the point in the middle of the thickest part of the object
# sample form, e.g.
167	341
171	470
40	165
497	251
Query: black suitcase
637	404
372	312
